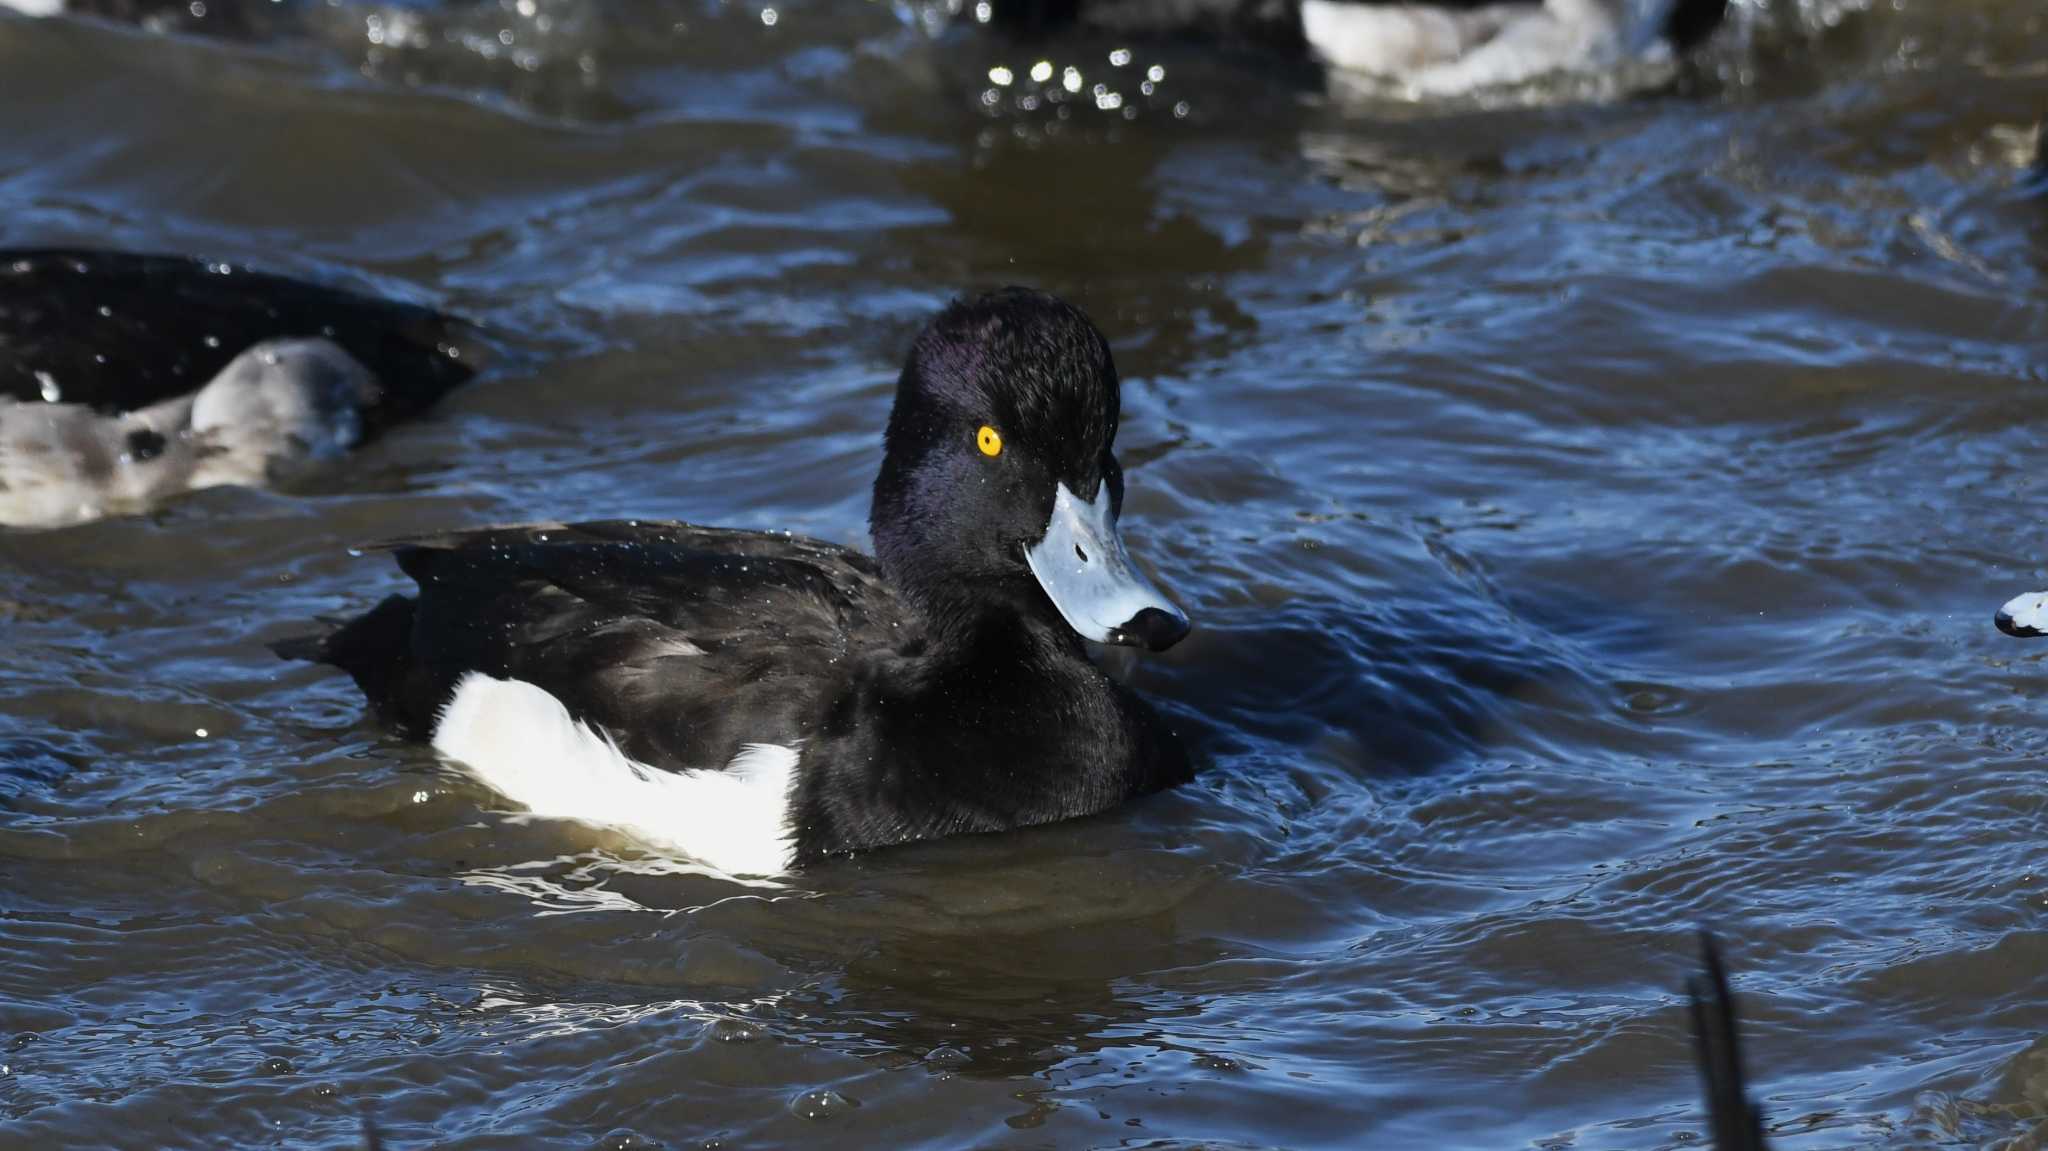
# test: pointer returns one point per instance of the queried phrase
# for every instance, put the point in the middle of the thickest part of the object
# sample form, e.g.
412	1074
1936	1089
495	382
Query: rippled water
1592	514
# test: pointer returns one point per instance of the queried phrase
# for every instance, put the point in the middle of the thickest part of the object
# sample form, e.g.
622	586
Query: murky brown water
1592	516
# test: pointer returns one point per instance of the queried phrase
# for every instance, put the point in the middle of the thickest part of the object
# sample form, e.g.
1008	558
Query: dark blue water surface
1592	511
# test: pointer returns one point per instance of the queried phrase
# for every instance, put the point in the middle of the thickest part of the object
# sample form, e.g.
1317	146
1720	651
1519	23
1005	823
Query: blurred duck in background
232	19
1450	48
1418	48
1439	48
128	379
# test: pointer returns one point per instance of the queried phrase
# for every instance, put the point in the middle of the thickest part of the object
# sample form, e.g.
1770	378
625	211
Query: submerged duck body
127	378
760	701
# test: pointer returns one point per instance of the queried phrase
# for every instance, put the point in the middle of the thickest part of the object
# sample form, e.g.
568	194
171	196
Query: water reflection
1010	1005
1088	214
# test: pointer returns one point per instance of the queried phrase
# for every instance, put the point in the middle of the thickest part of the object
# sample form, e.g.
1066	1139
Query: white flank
1564	36
1436	51
34	7
1384	39
522	743
2027	613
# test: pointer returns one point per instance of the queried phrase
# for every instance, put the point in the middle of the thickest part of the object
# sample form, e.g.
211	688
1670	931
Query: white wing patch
521	742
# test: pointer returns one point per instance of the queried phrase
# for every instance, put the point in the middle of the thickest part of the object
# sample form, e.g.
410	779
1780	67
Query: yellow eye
989	441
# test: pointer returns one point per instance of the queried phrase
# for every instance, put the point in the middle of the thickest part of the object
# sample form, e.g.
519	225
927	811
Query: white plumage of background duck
1450	49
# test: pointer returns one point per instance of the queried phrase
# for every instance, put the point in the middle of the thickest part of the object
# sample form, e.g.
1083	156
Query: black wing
1737	1123
684	643
122	331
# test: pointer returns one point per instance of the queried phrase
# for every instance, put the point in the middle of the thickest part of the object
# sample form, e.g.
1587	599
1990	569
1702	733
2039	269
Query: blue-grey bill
1082	565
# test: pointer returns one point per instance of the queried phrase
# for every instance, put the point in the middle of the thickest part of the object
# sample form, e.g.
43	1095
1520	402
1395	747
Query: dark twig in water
1736	1121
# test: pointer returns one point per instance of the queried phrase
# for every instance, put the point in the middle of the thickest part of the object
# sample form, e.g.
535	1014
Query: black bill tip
1152	629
